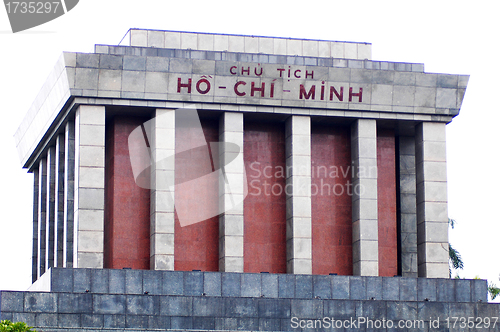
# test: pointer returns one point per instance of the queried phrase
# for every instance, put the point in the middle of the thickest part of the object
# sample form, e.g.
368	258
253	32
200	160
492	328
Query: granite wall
126	300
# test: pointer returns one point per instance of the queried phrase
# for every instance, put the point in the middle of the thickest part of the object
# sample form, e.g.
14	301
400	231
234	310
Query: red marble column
126	225
387	215
331	202
197	244
265	206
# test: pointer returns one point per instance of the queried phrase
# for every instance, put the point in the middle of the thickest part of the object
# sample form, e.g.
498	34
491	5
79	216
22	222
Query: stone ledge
246	43
282	286
295	60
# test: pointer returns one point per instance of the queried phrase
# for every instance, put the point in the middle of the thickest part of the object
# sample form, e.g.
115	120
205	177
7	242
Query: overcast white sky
457	37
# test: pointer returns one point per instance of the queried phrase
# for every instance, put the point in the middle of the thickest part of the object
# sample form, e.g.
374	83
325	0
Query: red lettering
311	93
183	85
241	94
258	74
340	96
272	90
231	70
359	94
243	70
323	91
310	74
281	70
295	73
207	88
261	89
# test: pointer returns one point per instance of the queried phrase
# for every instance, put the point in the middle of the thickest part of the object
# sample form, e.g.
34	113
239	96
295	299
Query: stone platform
136	300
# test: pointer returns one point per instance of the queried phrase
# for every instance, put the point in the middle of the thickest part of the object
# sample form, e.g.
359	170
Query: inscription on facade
288	82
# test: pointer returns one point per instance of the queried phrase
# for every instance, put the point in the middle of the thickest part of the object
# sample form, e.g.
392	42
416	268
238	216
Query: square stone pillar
50	215
42	215
69	193
89	187
432	206
162	145
407	206
298	195
364	198
231	192
59	202
34	256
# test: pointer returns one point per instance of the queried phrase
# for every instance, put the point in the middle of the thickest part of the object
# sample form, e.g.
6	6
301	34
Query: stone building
209	181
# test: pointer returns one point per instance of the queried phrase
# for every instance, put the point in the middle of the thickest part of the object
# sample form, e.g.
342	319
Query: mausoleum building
195	170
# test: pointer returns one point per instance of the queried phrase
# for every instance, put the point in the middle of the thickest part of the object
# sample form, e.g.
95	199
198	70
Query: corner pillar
89	187
432	201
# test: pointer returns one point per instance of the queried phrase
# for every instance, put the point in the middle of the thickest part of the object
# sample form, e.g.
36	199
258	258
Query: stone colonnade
70	179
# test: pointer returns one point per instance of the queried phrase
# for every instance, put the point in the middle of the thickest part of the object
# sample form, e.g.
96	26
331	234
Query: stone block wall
126	300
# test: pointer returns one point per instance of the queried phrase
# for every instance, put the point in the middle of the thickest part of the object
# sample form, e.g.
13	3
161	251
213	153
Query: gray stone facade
101	299
145	76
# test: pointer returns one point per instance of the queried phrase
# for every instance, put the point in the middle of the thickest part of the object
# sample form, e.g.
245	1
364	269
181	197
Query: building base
139	300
